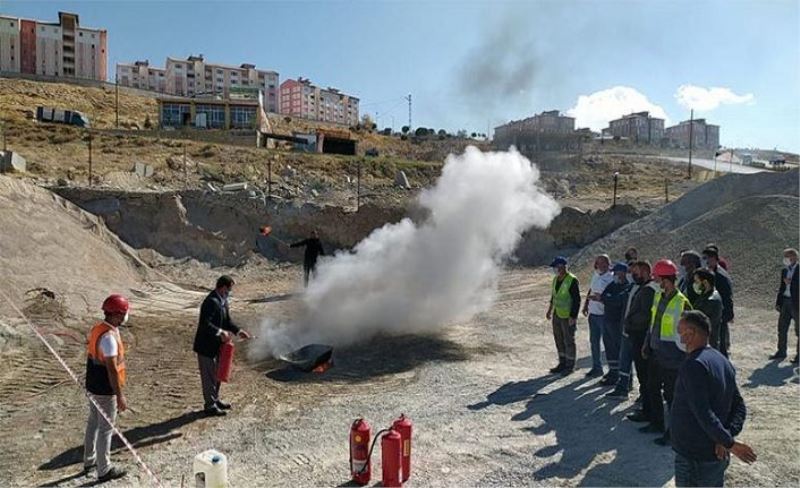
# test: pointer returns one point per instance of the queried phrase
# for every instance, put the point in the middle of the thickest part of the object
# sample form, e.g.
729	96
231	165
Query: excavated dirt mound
752	218
57	259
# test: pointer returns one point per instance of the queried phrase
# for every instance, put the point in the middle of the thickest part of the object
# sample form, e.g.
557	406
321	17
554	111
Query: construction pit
485	410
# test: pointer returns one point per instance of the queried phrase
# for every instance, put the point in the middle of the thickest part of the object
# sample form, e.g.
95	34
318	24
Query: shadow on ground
586	426
273	298
380	356
146	435
773	373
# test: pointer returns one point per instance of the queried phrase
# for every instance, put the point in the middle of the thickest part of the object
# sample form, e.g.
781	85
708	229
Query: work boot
651	429
609	379
567	369
559	368
223	406
777	355
594	372
618	393
796	360
638	416
664	440
215	411
112	474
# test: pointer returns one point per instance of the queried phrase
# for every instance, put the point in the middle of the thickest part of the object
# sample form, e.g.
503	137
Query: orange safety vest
96	355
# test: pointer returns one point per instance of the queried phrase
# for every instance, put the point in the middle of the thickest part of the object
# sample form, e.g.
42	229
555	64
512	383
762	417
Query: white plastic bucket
211	470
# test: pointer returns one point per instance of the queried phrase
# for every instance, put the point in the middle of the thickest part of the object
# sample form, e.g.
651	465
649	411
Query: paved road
722	167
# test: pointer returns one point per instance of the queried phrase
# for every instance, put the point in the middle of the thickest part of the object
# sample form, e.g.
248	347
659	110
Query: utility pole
691	141
116	87
358	187
89	133
269	178
185	172
731	165
666	190
409	111
616	177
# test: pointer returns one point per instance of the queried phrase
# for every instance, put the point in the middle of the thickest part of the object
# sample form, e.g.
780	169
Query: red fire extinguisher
360	468
225	365
403	427
392	458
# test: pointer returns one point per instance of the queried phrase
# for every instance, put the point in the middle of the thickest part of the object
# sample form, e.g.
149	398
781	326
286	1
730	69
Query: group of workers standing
673	324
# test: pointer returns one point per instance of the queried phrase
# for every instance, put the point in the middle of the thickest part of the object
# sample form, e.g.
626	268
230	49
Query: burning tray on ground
313	357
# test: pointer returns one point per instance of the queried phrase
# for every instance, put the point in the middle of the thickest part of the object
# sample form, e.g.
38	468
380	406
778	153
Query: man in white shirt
595	310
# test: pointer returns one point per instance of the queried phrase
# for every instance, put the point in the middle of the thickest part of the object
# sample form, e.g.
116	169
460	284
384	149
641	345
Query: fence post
666	190
269	178
358	187
89	133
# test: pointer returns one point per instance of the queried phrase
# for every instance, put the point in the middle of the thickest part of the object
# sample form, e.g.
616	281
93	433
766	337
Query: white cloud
705	99
595	110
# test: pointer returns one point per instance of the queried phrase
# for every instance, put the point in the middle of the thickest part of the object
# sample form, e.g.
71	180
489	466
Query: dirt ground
485	411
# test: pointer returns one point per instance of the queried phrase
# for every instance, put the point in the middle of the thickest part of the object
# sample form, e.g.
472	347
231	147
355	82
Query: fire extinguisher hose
369	456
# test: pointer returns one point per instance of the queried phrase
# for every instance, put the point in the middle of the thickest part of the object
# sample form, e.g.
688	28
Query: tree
367	123
474	135
421	132
462	134
442	133
405	129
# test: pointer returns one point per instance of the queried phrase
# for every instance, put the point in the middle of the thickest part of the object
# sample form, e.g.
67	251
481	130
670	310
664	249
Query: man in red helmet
663	347
105	378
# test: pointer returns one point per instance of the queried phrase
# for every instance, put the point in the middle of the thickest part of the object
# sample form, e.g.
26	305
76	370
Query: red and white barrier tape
74	377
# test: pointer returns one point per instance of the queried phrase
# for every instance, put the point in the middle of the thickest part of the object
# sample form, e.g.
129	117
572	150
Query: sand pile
50	248
751	217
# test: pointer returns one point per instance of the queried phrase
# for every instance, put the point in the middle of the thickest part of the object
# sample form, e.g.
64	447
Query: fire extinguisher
225	365
403	427
360	453
392	458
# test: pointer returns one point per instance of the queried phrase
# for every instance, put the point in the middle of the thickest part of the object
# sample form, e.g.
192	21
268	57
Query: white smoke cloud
706	99
409	277
597	109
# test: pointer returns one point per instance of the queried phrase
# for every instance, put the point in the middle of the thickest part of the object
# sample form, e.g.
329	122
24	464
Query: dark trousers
724	339
612	340
308	269
787	314
659	379
564	335
689	472
208	378
637	341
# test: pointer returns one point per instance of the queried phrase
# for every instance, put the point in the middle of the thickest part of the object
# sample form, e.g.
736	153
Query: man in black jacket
708	301
723	284
214	327
313	251
637	322
690	261
787	304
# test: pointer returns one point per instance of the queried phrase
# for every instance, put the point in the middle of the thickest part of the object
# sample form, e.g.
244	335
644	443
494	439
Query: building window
80	34
172	114
243	117
215	115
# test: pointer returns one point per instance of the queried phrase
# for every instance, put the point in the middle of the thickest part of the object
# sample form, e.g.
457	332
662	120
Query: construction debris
12	162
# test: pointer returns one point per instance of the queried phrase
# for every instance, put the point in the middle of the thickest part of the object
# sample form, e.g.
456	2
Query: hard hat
116	304
665	267
620	267
559	261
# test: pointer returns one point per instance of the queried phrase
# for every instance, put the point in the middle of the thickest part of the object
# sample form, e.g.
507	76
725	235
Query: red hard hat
665	267
116	304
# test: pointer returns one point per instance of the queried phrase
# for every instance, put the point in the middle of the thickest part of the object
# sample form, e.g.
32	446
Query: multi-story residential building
639	127
703	135
301	98
53	49
192	77
143	76
549	122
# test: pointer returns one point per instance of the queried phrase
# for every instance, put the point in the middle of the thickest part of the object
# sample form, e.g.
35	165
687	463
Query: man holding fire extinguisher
214	328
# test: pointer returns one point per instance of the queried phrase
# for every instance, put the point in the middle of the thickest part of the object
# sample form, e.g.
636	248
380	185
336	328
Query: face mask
681	272
704	263
698	288
554	271
125	319
787	262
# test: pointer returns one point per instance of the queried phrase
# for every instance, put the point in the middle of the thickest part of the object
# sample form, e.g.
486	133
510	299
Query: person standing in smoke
313	251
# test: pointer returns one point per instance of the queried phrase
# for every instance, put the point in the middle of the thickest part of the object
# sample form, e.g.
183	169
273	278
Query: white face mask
787	262
125	319
698	288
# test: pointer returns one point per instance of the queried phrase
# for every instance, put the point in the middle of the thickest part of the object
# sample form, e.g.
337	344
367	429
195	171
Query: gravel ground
485	411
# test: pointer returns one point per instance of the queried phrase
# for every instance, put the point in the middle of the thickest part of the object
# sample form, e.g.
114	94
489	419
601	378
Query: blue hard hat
620	267
559	261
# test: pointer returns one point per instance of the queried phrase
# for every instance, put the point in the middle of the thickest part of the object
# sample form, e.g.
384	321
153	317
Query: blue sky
475	64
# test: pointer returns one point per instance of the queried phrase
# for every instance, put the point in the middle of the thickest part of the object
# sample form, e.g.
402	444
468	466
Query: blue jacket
615	299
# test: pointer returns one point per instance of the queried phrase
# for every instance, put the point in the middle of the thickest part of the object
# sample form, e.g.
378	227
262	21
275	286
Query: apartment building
549	122
194	77
62	48
141	75
301	98
639	127
702	134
